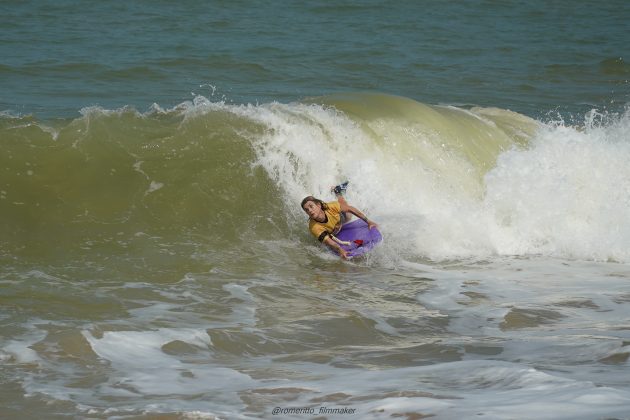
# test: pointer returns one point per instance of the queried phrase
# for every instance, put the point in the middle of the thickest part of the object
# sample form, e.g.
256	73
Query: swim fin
340	189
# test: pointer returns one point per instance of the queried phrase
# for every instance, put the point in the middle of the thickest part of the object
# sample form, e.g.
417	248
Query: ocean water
155	263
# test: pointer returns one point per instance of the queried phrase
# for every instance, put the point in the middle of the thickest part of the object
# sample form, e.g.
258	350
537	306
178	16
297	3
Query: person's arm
334	245
345	207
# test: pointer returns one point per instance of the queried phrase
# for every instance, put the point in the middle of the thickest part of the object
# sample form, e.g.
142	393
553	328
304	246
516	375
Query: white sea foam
142	364
567	194
527	336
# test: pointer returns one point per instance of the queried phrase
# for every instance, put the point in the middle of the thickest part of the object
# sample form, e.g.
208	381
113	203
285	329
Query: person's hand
343	253
371	224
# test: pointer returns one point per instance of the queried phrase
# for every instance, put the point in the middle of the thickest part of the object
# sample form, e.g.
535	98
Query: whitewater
158	263
155	263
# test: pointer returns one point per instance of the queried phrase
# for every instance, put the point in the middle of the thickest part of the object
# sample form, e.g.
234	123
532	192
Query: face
313	210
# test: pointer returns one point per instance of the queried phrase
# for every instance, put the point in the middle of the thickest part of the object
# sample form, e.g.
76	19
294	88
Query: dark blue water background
528	56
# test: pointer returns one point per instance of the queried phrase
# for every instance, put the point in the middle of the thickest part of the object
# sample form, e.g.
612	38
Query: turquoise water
155	263
531	57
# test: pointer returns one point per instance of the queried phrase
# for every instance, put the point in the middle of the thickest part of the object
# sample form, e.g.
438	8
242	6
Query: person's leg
345	216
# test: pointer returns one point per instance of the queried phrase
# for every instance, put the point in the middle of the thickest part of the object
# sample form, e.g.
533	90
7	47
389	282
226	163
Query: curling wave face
443	182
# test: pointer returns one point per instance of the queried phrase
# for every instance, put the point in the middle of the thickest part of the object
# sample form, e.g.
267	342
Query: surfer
326	219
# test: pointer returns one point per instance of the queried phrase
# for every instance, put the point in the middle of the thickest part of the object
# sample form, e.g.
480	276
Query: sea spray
567	195
168	257
451	183
443	182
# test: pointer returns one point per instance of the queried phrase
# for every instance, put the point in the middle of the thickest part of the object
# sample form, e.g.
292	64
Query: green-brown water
154	262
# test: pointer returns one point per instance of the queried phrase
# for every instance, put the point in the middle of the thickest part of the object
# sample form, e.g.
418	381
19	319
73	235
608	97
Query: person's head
314	207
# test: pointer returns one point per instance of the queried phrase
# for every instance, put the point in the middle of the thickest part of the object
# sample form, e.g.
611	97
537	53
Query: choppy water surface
155	261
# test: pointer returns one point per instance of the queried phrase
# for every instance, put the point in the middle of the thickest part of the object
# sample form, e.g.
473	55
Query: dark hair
314	200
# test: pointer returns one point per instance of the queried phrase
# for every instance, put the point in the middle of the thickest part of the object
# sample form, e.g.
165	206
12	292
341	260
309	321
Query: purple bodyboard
358	230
